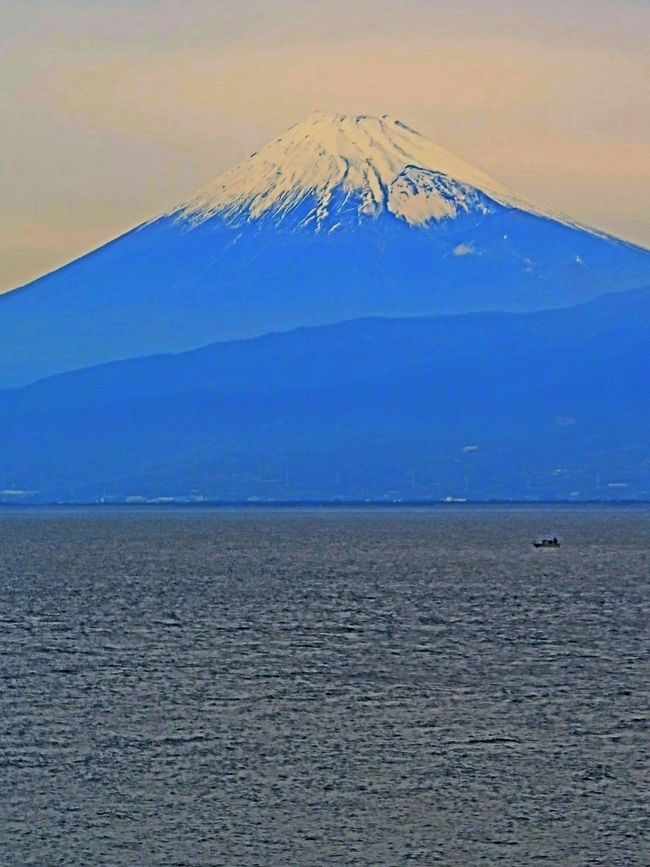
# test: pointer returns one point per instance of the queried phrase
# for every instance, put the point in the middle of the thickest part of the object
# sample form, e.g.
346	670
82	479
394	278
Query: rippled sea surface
334	687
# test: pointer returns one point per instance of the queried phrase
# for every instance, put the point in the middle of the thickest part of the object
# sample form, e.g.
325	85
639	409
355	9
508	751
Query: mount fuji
343	217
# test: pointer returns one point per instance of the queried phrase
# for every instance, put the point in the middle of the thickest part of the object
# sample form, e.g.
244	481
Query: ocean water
324	687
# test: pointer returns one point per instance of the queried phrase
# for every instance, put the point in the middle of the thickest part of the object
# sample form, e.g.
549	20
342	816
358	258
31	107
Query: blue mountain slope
548	404
332	222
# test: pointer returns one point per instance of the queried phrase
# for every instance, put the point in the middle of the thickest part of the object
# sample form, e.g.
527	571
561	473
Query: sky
115	110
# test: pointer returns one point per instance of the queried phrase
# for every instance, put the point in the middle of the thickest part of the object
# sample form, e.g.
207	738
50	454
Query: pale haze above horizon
115	111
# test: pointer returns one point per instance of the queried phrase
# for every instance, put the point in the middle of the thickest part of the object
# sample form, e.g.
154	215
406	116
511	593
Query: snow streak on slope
336	160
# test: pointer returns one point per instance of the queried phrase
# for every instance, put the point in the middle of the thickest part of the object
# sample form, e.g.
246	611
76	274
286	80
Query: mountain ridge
539	404
596	316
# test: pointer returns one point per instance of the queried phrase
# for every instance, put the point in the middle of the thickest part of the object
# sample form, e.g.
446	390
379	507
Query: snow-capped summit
340	218
331	160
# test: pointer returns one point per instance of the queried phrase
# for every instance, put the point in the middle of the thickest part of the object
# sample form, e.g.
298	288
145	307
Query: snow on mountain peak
330	161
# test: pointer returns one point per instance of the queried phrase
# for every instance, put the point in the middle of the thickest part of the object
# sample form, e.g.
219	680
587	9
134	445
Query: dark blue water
323	688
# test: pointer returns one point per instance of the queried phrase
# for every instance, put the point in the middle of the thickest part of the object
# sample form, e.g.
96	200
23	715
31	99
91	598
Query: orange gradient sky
113	111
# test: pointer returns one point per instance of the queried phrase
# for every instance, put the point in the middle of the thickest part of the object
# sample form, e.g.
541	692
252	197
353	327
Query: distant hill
551	404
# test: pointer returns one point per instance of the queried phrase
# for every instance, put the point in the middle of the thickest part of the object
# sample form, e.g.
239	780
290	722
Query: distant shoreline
319	504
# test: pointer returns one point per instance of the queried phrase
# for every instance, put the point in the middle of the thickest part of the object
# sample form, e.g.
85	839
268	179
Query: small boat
547	543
